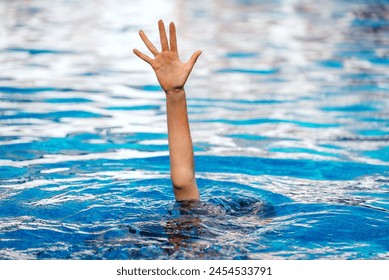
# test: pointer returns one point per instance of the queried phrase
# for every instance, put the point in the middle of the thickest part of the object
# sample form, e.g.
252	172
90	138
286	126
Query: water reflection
183	232
218	228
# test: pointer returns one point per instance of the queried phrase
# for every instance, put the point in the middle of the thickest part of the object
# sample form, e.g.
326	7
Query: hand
171	72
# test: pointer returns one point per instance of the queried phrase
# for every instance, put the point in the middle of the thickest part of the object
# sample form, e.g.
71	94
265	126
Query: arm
172	74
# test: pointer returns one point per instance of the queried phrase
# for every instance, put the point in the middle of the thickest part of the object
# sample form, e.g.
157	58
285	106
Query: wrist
175	92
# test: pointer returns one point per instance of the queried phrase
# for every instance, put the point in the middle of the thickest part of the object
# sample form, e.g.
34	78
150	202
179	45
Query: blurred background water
289	112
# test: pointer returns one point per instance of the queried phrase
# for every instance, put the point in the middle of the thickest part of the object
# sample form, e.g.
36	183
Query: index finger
148	43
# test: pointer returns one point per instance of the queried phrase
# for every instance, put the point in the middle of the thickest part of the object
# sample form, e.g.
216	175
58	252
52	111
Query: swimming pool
288	107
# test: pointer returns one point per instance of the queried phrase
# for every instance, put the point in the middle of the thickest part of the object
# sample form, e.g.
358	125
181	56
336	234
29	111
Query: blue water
289	113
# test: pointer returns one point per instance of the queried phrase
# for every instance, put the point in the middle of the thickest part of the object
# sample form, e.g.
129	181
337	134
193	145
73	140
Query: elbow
182	182
184	186
182	177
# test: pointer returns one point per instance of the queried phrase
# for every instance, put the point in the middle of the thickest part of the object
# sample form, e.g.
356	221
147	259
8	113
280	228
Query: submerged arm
172	74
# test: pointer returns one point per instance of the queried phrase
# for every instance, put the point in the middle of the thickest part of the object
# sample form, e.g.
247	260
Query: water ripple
289	124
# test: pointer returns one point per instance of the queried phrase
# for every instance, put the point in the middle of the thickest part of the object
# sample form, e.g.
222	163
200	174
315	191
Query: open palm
171	72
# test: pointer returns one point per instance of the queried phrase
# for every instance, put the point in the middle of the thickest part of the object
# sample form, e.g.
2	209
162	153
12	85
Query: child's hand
171	72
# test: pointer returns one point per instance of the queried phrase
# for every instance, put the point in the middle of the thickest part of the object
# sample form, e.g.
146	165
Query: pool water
289	113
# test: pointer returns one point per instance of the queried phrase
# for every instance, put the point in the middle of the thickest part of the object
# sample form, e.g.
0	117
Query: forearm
172	74
180	147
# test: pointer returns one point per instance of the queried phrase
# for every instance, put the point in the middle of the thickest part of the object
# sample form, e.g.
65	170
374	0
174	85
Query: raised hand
171	72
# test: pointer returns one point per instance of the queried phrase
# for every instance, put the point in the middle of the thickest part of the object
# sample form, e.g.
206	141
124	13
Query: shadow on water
224	225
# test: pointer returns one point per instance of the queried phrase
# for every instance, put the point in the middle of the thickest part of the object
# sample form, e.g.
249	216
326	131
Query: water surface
288	106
